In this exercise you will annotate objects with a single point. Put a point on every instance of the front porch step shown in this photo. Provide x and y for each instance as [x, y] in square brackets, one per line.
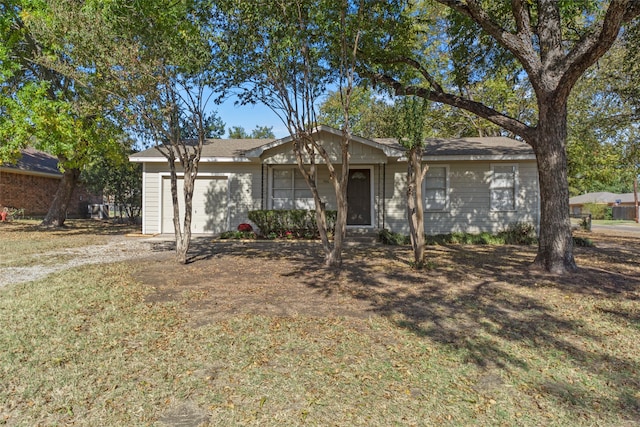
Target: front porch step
[362, 235]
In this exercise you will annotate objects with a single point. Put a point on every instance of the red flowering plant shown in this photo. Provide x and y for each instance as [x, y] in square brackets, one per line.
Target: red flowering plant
[244, 227]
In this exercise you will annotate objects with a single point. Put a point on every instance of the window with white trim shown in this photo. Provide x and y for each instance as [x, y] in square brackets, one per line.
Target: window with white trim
[436, 189]
[289, 190]
[504, 182]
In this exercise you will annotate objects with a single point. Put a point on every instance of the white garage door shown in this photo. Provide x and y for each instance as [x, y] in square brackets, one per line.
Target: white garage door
[210, 200]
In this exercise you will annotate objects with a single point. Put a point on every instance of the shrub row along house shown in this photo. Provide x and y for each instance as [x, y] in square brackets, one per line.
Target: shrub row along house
[473, 184]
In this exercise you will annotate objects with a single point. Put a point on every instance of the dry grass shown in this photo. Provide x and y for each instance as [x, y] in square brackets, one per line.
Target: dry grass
[249, 336]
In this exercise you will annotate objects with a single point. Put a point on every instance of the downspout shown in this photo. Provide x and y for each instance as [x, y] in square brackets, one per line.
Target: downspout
[384, 194]
[262, 190]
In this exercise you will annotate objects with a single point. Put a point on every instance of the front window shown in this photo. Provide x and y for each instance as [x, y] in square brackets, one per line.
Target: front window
[436, 189]
[289, 190]
[503, 187]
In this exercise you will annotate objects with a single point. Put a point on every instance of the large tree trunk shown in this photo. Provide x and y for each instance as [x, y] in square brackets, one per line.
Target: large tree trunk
[555, 247]
[57, 213]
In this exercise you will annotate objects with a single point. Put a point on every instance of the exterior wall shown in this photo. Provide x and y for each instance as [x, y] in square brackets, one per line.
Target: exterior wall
[245, 183]
[469, 199]
[469, 208]
[35, 193]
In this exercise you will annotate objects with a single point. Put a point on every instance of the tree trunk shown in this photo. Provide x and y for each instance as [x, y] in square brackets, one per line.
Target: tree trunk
[335, 256]
[555, 245]
[183, 244]
[415, 209]
[635, 198]
[57, 213]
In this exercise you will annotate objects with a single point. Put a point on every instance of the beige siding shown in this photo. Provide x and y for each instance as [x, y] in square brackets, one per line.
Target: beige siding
[469, 200]
[245, 183]
[360, 153]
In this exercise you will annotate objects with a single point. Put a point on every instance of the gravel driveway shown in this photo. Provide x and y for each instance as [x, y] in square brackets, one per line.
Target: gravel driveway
[119, 248]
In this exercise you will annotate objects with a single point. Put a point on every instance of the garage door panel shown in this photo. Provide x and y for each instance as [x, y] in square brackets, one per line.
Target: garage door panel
[210, 201]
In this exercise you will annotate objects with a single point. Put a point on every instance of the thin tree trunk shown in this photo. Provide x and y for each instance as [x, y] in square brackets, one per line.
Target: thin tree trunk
[635, 197]
[57, 213]
[555, 244]
[415, 209]
[182, 246]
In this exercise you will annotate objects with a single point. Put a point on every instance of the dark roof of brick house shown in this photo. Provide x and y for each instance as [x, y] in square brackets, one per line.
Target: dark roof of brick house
[35, 161]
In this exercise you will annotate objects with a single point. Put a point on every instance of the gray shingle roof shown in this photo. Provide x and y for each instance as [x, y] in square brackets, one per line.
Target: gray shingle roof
[490, 146]
[35, 161]
[601, 197]
[468, 146]
[216, 148]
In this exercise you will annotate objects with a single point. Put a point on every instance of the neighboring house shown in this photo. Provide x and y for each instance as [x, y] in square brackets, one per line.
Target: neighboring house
[473, 184]
[31, 184]
[623, 204]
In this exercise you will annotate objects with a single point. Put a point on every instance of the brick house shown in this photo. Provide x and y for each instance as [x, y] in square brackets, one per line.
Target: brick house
[31, 184]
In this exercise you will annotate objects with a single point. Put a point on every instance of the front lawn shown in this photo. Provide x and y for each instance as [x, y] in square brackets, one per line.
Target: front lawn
[258, 334]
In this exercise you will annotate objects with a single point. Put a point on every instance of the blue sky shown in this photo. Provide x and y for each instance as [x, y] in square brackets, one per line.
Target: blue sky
[249, 116]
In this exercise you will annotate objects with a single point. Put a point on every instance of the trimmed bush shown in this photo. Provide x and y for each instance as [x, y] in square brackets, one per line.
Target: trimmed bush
[238, 235]
[395, 239]
[519, 233]
[515, 234]
[296, 223]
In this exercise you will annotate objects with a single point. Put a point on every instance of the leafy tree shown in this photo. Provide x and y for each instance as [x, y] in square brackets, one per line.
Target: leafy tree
[119, 180]
[151, 62]
[410, 131]
[600, 128]
[546, 45]
[260, 132]
[284, 54]
[371, 116]
[42, 107]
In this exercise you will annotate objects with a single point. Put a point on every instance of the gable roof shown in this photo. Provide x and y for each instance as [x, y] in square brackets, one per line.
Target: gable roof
[34, 162]
[244, 150]
[602, 197]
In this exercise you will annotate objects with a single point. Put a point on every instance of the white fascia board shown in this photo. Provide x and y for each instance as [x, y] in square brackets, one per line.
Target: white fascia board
[476, 158]
[134, 159]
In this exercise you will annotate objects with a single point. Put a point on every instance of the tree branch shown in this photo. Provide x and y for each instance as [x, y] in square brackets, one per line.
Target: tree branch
[519, 44]
[508, 123]
[589, 49]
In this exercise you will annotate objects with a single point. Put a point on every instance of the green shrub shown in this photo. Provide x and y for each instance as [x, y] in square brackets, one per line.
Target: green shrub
[296, 223]
[598, 210]
[516, 234]
[584, 242]
[519, 233]
[238, 235]
[387, 237]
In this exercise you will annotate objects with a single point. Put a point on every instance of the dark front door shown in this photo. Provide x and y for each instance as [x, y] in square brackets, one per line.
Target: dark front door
[359, 197]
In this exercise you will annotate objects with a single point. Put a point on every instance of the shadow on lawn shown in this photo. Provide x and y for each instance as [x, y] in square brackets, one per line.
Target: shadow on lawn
[88, 227]
[484, 302]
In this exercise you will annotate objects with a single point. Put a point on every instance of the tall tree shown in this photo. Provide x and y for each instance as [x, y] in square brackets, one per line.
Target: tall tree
[151, 62]
[601, 127]
[371, 115]
[285, 54]
[552, 44]
[260, 132]
[410, 131]
[44, 108]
